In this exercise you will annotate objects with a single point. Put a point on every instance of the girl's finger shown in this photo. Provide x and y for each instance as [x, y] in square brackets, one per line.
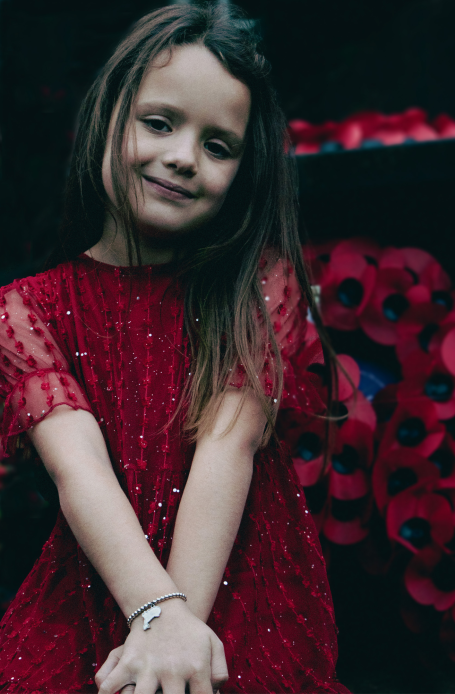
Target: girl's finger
[116, 681]
[200, 684]
[219, 666]
[147, 685]
[109, 664]
[174, 685]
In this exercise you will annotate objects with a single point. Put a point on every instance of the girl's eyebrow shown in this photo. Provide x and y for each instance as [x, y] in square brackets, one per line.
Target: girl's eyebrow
[166, 109]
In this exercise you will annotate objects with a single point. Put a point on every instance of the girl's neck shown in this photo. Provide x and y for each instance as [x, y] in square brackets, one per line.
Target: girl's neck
[112, 249]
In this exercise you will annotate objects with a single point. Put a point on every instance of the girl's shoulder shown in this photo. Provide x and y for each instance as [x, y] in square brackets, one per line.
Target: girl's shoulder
[53, 282]
[39, 284]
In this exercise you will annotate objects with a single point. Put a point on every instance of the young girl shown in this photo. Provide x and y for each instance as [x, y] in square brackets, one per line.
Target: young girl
[146, 370]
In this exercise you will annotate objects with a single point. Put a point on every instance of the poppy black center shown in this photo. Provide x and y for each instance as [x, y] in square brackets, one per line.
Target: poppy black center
[401, 479]
[347, 510]
[394, 306]
[411, 432]
[425, 335]
[417, 531]
[443, 574]
[442, 298]
[444, 460]
[350, 292]
[309, 446]
[347, 461]
[439, 387]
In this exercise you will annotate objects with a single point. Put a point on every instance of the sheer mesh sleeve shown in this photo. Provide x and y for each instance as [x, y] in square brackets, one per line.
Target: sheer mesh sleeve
[297, 339]
[34, 374]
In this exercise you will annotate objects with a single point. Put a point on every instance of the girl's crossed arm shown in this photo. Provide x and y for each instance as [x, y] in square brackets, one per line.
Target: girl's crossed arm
[179, 647]
[213, 501]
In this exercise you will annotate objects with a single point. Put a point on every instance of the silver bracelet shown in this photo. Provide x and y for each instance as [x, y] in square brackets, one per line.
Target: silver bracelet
[149, 611]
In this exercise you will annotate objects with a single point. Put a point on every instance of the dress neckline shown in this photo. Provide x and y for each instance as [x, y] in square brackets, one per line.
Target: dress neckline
[158, 268]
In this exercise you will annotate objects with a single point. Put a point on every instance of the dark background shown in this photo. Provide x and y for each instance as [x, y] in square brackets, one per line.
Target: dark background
[330, 59]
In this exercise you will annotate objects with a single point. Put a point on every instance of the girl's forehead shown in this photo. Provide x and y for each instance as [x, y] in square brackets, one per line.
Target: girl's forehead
[192, 79]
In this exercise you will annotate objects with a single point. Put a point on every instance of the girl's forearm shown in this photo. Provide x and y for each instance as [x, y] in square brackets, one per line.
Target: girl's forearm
[213, 503]
[98, 512]
[207, 523]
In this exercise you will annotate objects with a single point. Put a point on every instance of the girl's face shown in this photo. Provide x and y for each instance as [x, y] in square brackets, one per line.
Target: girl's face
[188, 128]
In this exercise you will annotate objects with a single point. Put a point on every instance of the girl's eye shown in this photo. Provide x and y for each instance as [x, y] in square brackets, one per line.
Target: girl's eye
[157, 124]
[217, 150]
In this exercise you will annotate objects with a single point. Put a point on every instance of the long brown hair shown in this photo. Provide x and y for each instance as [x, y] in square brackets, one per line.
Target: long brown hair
[225, 314]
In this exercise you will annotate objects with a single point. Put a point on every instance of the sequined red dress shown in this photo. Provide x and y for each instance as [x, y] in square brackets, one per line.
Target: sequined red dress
[110, 340]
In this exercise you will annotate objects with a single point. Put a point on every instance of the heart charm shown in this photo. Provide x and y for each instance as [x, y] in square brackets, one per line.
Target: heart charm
[150, 614]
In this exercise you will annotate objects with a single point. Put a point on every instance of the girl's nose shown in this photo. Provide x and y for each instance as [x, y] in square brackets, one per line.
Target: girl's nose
[181, 156]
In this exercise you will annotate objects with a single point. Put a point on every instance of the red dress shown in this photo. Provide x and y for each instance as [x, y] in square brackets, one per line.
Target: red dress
[110, 340]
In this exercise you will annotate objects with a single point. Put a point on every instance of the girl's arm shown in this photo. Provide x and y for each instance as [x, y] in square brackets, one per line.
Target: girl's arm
[179, 647]
[213, 502]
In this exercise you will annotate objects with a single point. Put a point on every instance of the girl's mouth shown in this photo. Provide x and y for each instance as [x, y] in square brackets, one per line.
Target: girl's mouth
[168, 190]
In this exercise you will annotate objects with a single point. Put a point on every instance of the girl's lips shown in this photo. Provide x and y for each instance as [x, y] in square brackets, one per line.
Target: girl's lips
[168, 190]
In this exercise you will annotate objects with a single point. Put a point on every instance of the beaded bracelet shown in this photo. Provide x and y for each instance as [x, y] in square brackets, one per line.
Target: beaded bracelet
[151, 604]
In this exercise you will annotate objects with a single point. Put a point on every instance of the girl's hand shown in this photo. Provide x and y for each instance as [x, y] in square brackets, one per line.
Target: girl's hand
[177, 650]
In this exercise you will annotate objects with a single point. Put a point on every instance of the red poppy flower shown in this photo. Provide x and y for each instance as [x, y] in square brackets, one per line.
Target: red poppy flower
[351, 457]
[306, 439]
[430, 578]
[317, 256]
[417, 327]
[413, 426]
[369, 121]
[393, 294]
[437, 279]
[367, 247]
[349, 134]
[426, 376]
[310, 358]
[346, 288]
[301, 131]
[394, 129]
[417, 517]
[399, 470]
[346, 522]
[422, 267]
[307, 148]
